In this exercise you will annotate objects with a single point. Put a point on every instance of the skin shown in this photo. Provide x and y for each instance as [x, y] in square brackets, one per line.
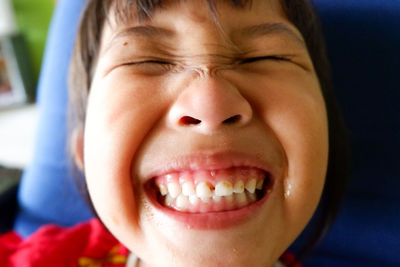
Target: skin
[134, 125]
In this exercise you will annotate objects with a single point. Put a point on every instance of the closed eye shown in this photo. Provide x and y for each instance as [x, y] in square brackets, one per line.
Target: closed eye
[149, 62]
[150, 66]
[256, 59]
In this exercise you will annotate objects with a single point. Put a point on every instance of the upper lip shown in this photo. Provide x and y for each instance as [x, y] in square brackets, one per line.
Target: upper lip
[210, 161]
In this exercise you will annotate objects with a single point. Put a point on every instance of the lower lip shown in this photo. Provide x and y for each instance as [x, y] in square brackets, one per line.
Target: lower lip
[209, 220]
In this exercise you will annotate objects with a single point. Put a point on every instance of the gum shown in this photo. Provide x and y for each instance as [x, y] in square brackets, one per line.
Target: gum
[212, 176]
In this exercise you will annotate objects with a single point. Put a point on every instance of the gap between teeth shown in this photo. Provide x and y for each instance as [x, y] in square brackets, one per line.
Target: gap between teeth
[205, 190]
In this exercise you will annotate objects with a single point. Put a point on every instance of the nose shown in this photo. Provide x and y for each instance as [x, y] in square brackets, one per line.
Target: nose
[208, 104]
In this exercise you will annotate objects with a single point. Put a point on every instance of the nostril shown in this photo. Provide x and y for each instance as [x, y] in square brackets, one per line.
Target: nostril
[187, 120]
[232, 119]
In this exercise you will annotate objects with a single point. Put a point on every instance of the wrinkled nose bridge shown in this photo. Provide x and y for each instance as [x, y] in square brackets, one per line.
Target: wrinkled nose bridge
[208, 102]
[209, 70]
[209, 64]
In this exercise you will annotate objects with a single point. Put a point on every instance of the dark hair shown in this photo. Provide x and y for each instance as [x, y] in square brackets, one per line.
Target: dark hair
[301, 13]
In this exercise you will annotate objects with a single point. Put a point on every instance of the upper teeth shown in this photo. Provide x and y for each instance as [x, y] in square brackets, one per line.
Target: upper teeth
[174, 189]
[251, 185]
[223, 188]
[205, 190]
[239, 187]
[188, 189]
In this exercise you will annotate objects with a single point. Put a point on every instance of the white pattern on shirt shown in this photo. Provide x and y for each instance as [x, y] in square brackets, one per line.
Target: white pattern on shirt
[133, 261]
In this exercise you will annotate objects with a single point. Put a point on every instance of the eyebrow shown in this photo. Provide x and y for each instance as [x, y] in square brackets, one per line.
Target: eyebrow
[254, 31]
[264, 29]
[144, 31]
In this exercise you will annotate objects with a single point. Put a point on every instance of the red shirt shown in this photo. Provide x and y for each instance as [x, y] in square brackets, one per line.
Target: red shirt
[84, 245]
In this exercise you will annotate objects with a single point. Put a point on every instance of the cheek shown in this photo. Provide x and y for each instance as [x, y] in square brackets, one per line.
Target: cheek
[119, 116]
[305, 140]
[301, 127]
[295, 112]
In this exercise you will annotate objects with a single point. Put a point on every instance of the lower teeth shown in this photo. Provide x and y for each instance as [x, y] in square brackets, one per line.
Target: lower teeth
[193, 204]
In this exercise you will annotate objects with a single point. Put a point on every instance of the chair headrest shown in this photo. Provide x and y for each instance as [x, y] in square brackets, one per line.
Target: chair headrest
[47, 192]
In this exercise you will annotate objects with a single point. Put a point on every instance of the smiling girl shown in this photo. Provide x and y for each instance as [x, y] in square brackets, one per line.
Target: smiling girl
[207, 131]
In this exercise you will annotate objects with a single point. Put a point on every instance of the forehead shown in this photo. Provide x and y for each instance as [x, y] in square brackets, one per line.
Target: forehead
[241, 18]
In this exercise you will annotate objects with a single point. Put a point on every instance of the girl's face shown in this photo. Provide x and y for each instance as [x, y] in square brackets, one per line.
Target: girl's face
[205, 144]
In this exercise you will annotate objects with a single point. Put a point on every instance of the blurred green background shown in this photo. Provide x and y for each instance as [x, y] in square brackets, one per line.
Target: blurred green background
[33, 18]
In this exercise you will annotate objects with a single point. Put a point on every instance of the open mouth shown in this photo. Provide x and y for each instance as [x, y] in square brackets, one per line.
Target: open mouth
[210, 191]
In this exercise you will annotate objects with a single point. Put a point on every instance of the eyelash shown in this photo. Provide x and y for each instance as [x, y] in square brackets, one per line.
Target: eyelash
[168, 64]
[152, 61]
[255, 59]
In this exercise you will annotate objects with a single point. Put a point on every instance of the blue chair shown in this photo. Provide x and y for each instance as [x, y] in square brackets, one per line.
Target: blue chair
[47, 192]
[363, 40]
